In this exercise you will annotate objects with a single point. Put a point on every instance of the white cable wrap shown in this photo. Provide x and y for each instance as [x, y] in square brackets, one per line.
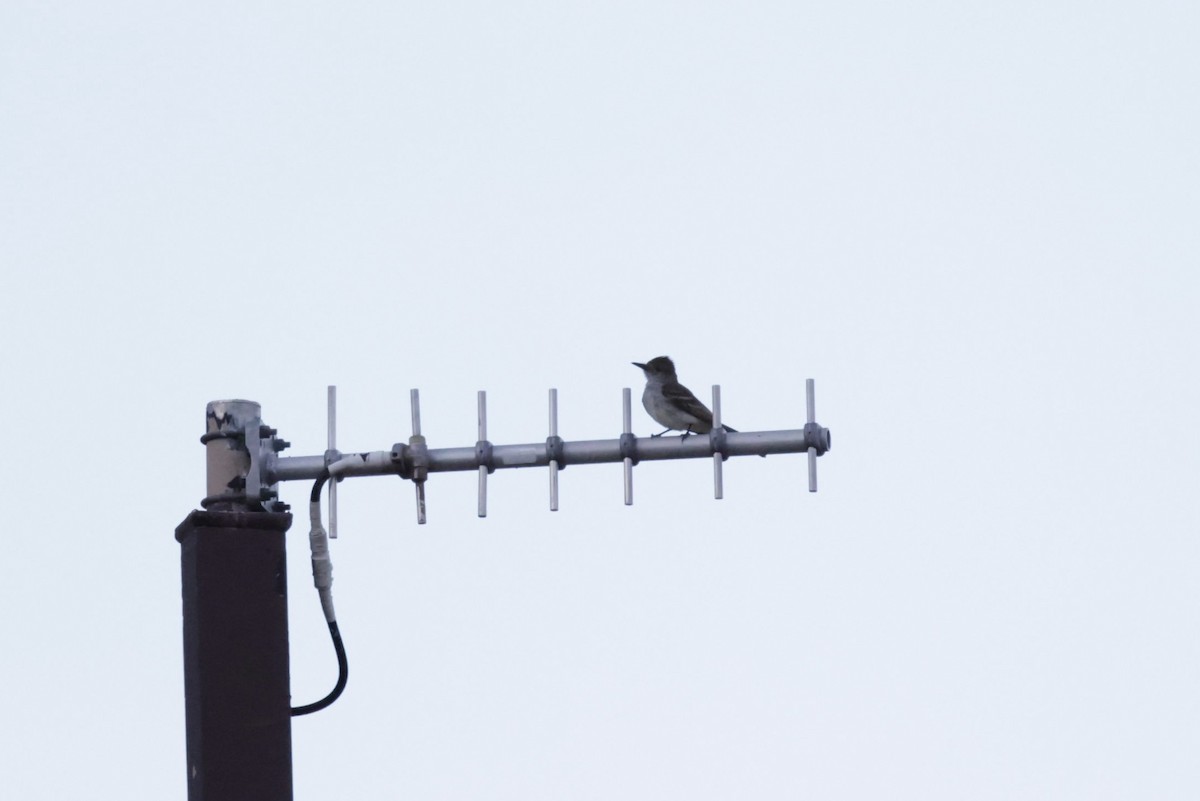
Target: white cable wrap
[345, 463]
[322, 566]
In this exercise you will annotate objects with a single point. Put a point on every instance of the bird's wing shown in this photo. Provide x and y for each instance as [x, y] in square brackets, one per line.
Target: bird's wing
[685, 401]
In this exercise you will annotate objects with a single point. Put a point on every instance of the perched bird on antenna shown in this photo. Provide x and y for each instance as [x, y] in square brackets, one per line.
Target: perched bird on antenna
[670, 403]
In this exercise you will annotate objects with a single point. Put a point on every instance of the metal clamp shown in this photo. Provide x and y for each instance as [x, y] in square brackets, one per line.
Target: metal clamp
[239, 470]
[215, 435]
[817, 438]
[483, 455]
[629, 449]
[417, 454]
[554, 452]
[401, 460]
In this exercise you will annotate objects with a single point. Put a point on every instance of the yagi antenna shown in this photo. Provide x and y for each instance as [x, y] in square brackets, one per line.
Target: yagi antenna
[258, 470]
[244, 468]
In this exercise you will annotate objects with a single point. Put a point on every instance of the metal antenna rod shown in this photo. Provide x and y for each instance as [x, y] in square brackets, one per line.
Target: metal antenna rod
[718, 478]
[414, 398]
[553, 462]
[628, 429]
[483, 473]
[810, 393]
[331, 409]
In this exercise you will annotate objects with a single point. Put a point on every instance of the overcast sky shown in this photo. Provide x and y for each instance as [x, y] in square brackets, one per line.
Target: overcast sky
[975, 225]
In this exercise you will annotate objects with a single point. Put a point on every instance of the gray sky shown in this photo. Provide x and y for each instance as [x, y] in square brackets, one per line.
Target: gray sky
[973, 224]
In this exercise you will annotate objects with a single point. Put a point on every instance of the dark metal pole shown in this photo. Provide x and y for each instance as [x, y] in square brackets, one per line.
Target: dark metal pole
[235, 656]
[235, 627]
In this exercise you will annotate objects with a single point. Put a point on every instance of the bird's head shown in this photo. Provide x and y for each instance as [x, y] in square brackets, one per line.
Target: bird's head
[660, 367]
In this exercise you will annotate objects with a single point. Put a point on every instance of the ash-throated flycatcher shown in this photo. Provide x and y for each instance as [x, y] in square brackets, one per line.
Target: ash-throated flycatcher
[670, 403]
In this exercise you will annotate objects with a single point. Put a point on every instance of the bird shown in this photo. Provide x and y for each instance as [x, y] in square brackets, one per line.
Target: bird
[670, 403]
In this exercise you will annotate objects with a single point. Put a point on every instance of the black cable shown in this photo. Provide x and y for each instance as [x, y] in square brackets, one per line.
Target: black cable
[338, 647]
[343, 673]
[315, 495]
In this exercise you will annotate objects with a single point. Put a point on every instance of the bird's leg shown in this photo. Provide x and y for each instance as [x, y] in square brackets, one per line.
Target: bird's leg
[686, 434]
[660, 433]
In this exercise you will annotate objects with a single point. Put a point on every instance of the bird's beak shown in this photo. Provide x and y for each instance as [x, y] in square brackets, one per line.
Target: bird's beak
[638, 364]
